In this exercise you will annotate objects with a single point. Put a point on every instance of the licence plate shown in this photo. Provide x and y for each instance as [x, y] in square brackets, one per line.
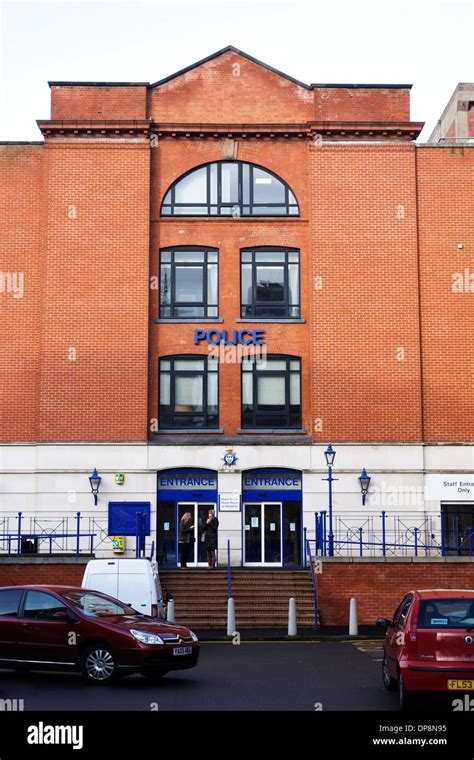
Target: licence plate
[182, 650]
[456, 685]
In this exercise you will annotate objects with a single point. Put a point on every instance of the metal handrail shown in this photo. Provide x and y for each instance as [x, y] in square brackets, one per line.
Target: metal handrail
[229, 586]
[313, 579]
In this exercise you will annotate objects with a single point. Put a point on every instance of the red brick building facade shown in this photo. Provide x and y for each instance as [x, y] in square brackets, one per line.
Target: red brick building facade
[385, 235]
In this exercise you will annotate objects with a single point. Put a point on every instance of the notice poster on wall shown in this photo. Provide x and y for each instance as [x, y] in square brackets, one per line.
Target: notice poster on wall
[272, 526]
[254, 522]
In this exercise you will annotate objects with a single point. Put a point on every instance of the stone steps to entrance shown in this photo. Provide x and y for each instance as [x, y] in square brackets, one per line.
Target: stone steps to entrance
[261, 597]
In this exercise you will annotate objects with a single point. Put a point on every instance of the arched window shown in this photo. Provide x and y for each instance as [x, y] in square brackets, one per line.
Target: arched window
[229, 188]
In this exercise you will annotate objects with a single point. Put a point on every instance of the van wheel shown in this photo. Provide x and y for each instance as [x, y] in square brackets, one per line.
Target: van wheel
[390, 683]
[153, 675]
[406, 697]
[98, 665]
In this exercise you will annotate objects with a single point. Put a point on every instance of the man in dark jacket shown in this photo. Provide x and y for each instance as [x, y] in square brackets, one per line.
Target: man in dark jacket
[210, 537]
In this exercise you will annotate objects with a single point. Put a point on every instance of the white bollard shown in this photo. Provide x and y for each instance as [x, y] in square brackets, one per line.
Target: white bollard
[230, 617]
[353, 626]
[292, 629]
[170, 611]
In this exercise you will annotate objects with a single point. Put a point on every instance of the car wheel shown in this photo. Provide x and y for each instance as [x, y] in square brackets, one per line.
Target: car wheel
[154, 675]
[98, 664]
[406, 697]
[390, 683]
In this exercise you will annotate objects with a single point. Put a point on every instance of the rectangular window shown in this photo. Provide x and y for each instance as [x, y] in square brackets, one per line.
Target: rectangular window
[271, 392]
[189, 393]
[188, 283]
[270, 283]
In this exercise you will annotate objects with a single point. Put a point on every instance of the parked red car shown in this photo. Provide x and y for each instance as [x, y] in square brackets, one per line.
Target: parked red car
[67, 628]
[429, 644]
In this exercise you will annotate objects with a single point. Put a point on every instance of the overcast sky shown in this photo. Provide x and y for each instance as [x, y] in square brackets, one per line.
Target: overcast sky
[429, 44]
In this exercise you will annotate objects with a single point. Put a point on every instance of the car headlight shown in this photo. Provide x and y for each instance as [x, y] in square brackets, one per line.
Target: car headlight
[193, 635]
[146, 638]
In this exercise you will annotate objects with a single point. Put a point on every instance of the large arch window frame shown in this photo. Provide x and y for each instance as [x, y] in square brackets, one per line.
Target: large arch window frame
[229, 188]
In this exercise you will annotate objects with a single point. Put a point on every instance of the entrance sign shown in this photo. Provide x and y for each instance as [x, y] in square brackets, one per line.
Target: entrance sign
[449, 487]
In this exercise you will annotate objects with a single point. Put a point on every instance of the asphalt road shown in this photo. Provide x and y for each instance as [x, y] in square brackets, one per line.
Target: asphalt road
[308, 676]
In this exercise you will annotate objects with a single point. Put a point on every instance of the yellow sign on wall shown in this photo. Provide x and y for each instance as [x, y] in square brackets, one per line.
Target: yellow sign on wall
[119, 478]
[118, 544]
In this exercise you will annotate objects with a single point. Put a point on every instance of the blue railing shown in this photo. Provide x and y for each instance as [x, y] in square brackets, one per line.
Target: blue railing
[379, 534]
[229, 586]
[312, 570]
[34, 535]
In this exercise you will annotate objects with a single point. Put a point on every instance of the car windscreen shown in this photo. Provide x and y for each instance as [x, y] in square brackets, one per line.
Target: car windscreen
[93, 604]
[446, 613]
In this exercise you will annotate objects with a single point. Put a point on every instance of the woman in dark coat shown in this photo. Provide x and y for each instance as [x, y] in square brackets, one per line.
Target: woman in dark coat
[185, 538]
[210, 537]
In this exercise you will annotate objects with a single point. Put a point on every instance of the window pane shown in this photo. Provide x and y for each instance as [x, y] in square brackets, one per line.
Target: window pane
[294, 311]
[189, 311]
[246, 256]
[293, 256]
[188, 393]
[189, 365]
[245, 183]
[212, 311]
[165, 256]
[189, 284]
[9, 602]
[167, 198]
[212, 256]
[165, 284]
[212, 283]
[271, 257]
[295, 397]
[213, 181]
[247, 363]
[270, 310]
[190, 210]
[268, 210]
[246, 283]
[294, 211]
[267, 189]
[192, 188]
[271, 392]
[41, 606]
[247, 390]
[271, 365]
[212, 392]
[295, 364]
[293, 283]
[190, 257]
[164, 388]
[270, 283]
[229, 180]
[212, 364]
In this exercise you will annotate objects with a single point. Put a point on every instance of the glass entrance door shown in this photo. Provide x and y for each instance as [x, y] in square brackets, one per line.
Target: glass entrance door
[199, 512]
[262, 534]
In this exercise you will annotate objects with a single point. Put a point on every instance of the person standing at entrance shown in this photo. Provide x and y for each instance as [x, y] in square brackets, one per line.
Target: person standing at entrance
[185, 538]
[210, 531]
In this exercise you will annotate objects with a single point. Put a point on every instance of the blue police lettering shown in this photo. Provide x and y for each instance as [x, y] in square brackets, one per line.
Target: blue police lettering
[230, 338]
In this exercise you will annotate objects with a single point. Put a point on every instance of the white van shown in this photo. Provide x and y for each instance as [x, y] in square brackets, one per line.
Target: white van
[132, 581]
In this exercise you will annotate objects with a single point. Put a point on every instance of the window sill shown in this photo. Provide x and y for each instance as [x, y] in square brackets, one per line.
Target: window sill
[188, 320]
[275, 320]
[191, 431]
[279, 431]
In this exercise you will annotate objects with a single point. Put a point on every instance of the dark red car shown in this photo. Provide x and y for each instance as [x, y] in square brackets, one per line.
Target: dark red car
[429, 644]
[67, 628]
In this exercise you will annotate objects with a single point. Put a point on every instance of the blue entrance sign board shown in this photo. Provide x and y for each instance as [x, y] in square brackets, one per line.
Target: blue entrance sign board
[230, 337]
